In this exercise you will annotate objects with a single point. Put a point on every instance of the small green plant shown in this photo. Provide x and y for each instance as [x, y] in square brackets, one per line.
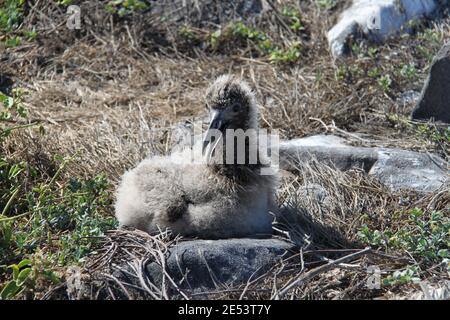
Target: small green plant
[260, 38]
[425, 52]
[294, 18]
[65, 2]
[25, 275]
[186, 32]
[11, 14]
[326, 4]
[30, 34]
[400, 277]
[357, 49]
[240, 31]
[438, 136]
[435, 134]
[65, 222]
[215, 38]
[408, 71]
[288, 55]
[341, 72]
[385, 82]
[374, 72]
[124, 7]
[12, 109]
[20, 274]
[431, 36]
[372, 52]
[12, 42]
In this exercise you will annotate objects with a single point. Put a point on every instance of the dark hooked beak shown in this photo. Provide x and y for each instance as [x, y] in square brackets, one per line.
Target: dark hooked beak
[214, 132]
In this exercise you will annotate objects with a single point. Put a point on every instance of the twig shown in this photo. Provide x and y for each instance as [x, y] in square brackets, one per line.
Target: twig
[311, 274]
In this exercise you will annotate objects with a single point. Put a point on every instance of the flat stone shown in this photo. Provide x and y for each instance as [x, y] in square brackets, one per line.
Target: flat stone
[377, 20]
[207, 264]
[434, 101]
[327, 149]
[396, 168]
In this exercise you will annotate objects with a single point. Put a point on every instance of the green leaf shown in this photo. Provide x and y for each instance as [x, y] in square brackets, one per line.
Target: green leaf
[10, 290]
[24, 263]
[15, 270]
[23, 276]
[443, 253]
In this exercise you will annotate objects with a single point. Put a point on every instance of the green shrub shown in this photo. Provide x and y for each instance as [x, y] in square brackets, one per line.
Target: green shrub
[45, 223]
[11, 14]
[424, 236]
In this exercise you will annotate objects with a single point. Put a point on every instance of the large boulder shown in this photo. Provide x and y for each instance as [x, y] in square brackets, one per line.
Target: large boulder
[208, 264]
[377, 20]
[434, 101]
[396, 168]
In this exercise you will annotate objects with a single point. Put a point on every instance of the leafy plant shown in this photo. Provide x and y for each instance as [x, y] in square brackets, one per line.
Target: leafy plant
[435, 134]
[12, 42]
[260, 38]
[399, 277]
[290, 54]
[425, 236]
[385, 82]
[374, 72]
[124, 7]
[20, 273]
[12, 109]
[11, 14]
[326, 4]
[408, 71]
[63, 220]
[25, 275]
[262, 41]
[294, 17]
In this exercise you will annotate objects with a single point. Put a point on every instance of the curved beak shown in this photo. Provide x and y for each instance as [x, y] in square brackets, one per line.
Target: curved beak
[214, 133]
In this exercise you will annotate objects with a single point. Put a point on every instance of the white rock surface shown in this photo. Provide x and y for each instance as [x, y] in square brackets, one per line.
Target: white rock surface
[377, 19]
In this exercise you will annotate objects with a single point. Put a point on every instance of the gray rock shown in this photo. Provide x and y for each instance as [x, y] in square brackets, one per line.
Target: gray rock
[396, 168]
[377, 20]
[409, 97]
[401, 169]
[434, 101]
[327, 149]
[207, 264]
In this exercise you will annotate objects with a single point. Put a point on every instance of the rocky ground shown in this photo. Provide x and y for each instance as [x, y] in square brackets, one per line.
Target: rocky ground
[364, 193]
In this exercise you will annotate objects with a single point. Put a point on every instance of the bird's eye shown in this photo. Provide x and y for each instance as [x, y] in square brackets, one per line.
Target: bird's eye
[236, 107]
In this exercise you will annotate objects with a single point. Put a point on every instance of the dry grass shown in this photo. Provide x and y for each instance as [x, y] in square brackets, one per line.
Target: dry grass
[111, 94]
